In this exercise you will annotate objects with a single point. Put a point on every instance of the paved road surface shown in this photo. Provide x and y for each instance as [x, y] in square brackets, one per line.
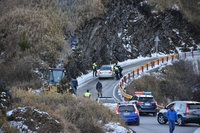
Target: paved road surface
[108, 84]
[148, 124]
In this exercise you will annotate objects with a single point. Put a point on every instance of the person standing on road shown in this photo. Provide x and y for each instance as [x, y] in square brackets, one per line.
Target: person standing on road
[99, 88]
[74, 85]
[87, 94]
[120, 70]
[172, 117]
[116, 69]
[94, 68]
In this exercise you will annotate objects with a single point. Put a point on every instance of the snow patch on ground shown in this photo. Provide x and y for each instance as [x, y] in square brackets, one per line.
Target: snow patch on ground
[175, 7]
[20, 120]
[176, 31]
[112, 127]
[21, 126]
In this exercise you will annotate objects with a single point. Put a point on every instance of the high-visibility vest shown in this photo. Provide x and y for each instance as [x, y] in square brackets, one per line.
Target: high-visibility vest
[115, 68]
[87, 94]
[94, 65]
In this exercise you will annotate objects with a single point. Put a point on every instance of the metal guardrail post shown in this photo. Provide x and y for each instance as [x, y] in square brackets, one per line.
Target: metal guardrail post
[192, 54]
[147, 66]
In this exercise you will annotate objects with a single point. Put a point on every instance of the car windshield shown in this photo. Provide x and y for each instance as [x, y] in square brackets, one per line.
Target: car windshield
[194, 106]
[144, 99]
[128, 108]
[105, 68]
[107, 101]
[55, 75]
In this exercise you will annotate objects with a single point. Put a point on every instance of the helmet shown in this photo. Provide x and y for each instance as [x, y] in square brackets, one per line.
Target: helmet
[87, 90]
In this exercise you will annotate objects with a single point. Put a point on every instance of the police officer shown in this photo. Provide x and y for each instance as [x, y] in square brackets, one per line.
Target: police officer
[87, 94]
[94, 68]
[116, 69]
[120, 70]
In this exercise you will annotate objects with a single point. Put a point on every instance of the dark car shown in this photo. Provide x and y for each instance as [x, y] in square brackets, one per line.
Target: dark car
[129, 113]
[187, 111]
[145, 102]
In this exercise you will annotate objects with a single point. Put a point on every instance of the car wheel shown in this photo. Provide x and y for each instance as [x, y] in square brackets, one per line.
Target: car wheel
[161, 119]
[180, 121]
[138, 123]
[154, 114]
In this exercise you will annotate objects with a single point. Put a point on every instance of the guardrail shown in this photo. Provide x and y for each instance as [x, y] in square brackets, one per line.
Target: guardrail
[135, 73]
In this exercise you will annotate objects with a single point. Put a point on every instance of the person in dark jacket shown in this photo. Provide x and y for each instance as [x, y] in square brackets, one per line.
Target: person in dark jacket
[99, 88]
[172, 117]
[74, 85]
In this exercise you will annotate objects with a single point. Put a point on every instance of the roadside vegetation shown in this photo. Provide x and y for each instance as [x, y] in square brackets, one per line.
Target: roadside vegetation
[33, 33]
[179, 81]
[191, 9]
[75, 114]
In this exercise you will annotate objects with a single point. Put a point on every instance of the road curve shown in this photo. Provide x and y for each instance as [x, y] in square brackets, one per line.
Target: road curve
[148, 124]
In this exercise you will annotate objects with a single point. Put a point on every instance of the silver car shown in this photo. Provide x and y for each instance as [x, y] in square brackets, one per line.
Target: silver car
[106, 72]
[187, 111]
[108, 102]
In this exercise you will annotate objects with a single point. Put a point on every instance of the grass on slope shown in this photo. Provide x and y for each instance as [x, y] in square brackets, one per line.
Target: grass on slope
[190, 8]
[75, 114]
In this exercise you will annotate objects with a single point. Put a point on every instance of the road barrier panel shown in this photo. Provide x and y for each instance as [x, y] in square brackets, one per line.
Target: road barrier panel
[124, 81]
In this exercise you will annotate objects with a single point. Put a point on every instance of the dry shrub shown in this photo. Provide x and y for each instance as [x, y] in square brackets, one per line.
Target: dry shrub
[19, 73]
[190, 9]
[4, 125]
[77, 114]
[177, 82]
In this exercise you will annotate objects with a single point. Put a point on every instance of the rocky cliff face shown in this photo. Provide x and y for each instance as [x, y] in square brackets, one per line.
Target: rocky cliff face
[128, 29]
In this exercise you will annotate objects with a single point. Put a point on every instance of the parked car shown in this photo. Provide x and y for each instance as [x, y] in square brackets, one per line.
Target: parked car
[145, 102]
[106, 72]
[187, 111]
[108, 102]
[129, 113]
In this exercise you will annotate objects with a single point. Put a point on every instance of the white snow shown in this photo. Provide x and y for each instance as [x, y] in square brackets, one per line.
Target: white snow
[3, 100]
[119, 34]
[112, 127]
[178, 49]
[175, 7]
[133, 21]
[183, 43]
[176, 31]
[9, 113]
[21, 126]
[197, 130]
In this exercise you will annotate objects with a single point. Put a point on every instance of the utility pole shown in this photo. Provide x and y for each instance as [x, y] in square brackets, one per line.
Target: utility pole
[156, 45]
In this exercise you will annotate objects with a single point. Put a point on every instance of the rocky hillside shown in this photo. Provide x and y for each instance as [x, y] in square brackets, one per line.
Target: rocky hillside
[41, 34]
[128, 28]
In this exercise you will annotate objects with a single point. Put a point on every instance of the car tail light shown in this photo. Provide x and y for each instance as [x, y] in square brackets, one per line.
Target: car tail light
[110, 72]
[186, 111]
[136, 111]
[115, 106]
[117, 111]
[154, 102]
[99, 72]
[138, 102]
